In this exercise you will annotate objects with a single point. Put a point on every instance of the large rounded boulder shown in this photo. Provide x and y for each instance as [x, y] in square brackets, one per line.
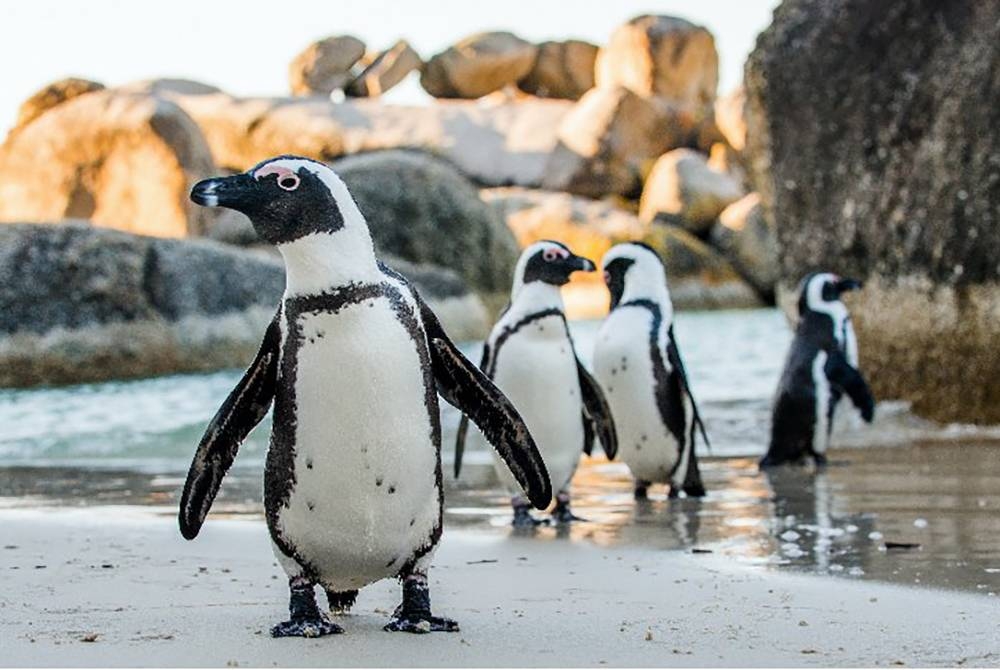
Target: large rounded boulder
[607, 139]
[662, 56]
[325, 65]
[561, 70]
[52, 95]
[745, 237]
[478, 65]
[386, 69]
[876, 151]
[121, 160]
[682, 189]
[423, 210]
[81, 303]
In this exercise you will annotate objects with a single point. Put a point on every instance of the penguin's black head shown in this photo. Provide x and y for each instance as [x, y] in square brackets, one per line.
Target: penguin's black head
[550, 262]
[285, 198]
[821, 288]
[645, 266]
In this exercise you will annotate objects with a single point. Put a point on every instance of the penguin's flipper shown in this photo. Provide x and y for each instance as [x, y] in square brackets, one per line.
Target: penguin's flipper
[588, 433]
[840, 373]
[674, 356]
[597, 414]
[468, 388]
[463, 424]
[246, 405]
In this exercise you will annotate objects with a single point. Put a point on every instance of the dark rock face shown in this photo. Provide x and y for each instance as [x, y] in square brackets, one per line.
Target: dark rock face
[874, 141]
[423, 210]
[74, 275]
[82, 304]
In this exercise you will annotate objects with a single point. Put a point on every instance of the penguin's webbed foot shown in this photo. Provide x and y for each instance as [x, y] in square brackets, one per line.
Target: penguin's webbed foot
[641, 490]
[306, 619]
[523, 517]
[820, 460]
[421, 624]
[312, 627]
[414, 614]
[562, 513]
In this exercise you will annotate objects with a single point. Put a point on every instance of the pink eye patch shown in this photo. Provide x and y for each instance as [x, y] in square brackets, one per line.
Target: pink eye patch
[287, 179]
[553, 253]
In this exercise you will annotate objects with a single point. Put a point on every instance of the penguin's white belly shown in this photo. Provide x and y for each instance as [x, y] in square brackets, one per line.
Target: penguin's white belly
[536, 369]
[821, 431]
[365, 495]
[624, 369]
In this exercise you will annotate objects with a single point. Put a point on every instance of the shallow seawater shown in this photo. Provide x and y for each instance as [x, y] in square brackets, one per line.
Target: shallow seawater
[904, 481]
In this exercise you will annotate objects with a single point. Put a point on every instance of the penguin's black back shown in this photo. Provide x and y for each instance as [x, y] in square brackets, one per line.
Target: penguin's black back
[793, 419]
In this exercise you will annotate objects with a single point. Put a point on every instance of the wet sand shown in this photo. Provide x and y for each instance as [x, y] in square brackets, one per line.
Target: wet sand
[944, 497]
[117, 586]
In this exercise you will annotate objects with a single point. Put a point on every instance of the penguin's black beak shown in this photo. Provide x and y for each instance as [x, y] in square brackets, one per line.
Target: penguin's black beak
[847, 284]
[235, 192]
[579, 263]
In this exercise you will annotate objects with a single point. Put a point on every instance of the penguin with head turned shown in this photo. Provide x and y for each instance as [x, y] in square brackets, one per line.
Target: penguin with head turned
[638, 363]
[529, 355]
[822, 365]
[353, 363]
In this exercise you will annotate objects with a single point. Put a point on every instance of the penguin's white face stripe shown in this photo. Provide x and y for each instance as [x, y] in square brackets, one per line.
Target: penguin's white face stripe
[835, 309]
[645, 278]
[551, 251]
[814, 291]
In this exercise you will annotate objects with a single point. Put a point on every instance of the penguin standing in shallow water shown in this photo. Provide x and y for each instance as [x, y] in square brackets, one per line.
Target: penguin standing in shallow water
[529, 355]
[822, 365]
[353, 361]
[638, 364]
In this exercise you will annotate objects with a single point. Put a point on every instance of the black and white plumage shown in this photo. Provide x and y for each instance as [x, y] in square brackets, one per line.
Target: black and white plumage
[638, 364]
[353, 361]
[822, 365]
[529, 354]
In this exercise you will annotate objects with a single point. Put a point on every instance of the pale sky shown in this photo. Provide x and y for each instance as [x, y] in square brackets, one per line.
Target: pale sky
[244, 46]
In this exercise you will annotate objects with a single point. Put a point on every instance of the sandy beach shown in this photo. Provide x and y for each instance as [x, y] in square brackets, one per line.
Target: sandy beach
[123, 578]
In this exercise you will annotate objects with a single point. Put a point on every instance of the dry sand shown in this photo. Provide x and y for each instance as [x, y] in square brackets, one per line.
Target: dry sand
[125, 578]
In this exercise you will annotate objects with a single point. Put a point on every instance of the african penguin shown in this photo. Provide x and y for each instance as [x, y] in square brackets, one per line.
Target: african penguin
[638, 364]
[822, 365]
[529, 355]
[353, 361]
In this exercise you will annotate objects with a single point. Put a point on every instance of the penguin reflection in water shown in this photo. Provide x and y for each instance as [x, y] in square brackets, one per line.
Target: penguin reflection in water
[638, 364]
[822, 365]
[354, 361]
[529, 355]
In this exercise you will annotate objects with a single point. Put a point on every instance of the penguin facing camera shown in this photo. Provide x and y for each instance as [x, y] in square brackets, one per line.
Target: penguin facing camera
[353, 362]
[529, 355]
[638, 364]
[822, 366]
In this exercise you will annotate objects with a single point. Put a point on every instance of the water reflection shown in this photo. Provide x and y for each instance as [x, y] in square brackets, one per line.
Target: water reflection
[943, 499]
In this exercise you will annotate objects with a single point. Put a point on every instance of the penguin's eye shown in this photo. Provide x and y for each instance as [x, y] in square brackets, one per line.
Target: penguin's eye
[289, 182]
